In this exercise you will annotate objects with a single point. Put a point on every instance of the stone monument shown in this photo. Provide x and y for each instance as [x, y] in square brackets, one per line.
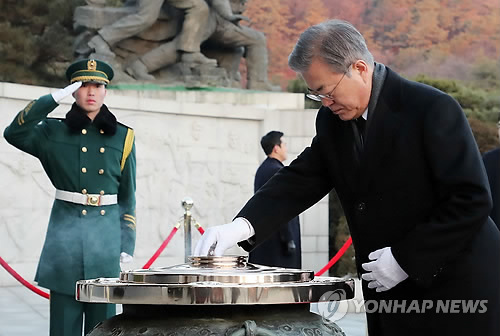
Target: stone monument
[151, 38]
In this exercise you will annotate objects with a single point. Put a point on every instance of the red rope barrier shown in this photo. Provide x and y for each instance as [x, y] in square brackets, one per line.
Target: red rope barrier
[200, 229]
[161, 248]
[336, 257]
[21, 280]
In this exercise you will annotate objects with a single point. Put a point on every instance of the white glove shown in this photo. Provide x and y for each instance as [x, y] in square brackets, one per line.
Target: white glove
[384, 270]
[216, 240]
[125, 258]
[63, 93]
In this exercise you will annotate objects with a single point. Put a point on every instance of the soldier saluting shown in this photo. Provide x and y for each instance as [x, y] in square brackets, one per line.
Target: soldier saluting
[90, 159]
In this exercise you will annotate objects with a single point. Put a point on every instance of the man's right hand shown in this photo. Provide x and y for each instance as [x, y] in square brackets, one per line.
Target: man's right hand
[63, 93]
[216, 240]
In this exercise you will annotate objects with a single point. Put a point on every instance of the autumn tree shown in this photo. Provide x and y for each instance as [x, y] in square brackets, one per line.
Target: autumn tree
[36, 40]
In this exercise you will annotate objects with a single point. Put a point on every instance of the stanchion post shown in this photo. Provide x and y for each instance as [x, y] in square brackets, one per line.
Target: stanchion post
[187, 204]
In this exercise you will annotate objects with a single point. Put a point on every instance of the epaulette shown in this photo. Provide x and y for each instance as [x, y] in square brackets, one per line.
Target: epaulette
[121, 124]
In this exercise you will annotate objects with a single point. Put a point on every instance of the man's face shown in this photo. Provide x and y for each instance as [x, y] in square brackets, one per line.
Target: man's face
[282, 150]
[90, 97]
[351, 92]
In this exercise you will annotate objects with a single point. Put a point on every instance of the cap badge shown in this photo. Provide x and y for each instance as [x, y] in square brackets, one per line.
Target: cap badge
[91, 65]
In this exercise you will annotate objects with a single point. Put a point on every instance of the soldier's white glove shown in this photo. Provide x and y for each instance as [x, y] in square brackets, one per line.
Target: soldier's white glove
[216, 240]
[384, 270]
[63, 93]
[125, 258]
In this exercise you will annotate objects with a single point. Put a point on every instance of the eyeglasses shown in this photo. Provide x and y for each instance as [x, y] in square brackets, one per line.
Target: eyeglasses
[318, 97]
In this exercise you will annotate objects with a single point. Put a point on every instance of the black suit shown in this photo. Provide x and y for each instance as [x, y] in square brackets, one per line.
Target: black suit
[274, 251]
[491, 161]
[420, 188]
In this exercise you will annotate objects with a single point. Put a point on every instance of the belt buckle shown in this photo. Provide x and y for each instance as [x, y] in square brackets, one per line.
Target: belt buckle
[93, 200]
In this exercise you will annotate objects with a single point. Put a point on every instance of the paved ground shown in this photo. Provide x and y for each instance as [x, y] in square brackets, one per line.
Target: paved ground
[24, 313]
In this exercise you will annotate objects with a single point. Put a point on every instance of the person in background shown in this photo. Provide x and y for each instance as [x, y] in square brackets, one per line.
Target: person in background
[491, 161]
[404, 163]
[283, 248]
[90, 159]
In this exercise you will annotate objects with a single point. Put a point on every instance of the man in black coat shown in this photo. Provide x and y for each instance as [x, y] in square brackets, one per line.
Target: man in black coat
[491, 161]
[283, 248]
[412, 185]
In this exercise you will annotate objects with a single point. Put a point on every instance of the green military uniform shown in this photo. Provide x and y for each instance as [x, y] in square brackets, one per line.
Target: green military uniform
[83, 157]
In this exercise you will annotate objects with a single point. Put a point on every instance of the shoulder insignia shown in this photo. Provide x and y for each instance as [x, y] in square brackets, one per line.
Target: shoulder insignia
[127, 147]
[24, 112]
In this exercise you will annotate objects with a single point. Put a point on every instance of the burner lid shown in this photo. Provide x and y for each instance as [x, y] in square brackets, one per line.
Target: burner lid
[225, 269]
[215, 281]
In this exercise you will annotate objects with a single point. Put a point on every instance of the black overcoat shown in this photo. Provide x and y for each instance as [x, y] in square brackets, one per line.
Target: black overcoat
[420, 188]
[274, 251]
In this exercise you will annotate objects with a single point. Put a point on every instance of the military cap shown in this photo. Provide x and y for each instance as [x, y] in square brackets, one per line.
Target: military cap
[90, 70]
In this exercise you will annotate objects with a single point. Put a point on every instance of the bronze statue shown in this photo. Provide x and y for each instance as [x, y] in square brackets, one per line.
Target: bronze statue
[158, 41]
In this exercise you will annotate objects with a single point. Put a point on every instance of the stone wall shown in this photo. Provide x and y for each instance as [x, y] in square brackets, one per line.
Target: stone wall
[189, 143]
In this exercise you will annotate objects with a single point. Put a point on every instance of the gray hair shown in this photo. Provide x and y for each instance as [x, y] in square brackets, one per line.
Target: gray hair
[336, 42]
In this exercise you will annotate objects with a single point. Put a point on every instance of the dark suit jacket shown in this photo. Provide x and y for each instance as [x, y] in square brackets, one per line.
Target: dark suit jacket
[491, 161]
[274, 252]
[420, 188]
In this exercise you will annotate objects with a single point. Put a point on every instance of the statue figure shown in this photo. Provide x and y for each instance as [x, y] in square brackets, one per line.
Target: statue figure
[146, 13]
[156, 40]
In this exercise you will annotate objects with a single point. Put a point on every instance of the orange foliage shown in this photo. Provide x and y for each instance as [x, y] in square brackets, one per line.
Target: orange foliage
[426, 36]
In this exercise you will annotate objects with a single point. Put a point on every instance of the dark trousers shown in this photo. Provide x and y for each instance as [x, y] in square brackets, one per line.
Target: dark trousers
[66, 315]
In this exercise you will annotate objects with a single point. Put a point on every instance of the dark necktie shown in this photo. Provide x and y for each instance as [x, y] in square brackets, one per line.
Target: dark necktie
[360, 124]
[357, 131]
[358, 128]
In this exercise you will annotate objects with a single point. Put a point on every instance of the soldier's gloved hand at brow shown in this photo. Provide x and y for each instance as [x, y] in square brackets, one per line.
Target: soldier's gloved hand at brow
[216, 240]
[384, 270]
[63, 93]
[125, 258]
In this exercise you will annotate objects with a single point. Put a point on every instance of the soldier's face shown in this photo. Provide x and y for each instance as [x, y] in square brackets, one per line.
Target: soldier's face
[90, 97]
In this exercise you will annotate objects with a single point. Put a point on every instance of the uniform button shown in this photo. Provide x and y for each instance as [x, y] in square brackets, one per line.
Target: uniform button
[84, 170]
[101, 171]
[84, 149]
[84, 191]
[361, 206]
[84, 212]
[101, 192]
[84, 131]
[101, 131]
[102, 149]
[103, 212]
